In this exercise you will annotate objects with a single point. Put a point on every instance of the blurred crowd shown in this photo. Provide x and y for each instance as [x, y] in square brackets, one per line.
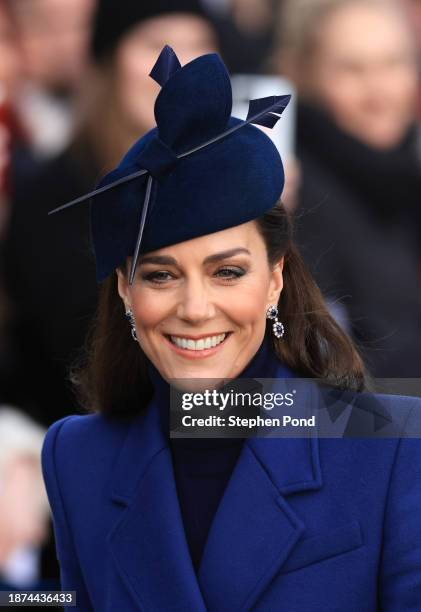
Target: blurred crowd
[75, 94]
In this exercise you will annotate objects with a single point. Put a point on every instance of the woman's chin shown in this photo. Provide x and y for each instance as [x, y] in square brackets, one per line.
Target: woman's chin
[198, 384]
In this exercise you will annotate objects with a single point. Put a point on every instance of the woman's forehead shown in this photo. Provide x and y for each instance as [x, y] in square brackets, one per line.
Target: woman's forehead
[244, 239]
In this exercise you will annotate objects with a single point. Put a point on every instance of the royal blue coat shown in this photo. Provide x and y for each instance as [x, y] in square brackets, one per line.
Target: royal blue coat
[329, 525]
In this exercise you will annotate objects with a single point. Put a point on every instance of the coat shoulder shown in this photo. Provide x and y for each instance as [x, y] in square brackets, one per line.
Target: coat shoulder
[76, 428]
[403, 410]
[406, 401]
[78, 446]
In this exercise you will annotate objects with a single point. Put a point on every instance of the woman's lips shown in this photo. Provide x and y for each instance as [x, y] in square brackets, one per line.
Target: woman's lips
[191, 354]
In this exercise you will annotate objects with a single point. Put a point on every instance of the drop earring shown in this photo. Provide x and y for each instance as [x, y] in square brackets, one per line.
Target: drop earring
[277, 327]
[130, 318]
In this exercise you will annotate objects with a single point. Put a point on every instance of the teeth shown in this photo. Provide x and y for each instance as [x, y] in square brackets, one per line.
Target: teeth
[197, 345]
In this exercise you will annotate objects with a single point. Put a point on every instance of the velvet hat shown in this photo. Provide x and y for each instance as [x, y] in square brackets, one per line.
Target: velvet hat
[198, 172]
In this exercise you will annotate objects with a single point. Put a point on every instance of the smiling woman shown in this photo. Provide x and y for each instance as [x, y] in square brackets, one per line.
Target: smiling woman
[200, 289]
[194, 246]
[206, 292]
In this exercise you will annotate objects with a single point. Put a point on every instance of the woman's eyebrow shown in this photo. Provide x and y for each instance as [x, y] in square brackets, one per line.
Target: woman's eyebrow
[225, 254]
[170, 261]
[158, 259]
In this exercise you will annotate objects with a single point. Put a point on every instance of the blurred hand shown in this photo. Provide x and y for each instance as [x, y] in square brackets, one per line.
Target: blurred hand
[292, 183]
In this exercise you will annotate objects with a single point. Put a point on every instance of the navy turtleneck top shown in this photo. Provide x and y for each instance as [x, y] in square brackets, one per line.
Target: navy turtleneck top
[203, 466]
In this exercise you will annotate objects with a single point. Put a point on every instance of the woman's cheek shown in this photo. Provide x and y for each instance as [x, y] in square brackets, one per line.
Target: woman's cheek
[247, 305]
[149, 310]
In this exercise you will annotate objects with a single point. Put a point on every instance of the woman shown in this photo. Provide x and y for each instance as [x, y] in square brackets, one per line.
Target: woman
[358, 221]
[145, 522]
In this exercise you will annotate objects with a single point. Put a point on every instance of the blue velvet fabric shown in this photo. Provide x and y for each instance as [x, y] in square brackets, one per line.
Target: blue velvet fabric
[223, 185]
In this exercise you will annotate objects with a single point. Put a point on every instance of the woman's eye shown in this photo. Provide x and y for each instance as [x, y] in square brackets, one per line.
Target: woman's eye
[157, 277]
[230, 273]
[162, 276]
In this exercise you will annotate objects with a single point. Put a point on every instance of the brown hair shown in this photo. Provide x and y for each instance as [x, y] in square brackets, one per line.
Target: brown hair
[112, 378]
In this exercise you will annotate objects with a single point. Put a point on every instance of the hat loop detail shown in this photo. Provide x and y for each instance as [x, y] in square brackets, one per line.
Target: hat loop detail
[157, 158]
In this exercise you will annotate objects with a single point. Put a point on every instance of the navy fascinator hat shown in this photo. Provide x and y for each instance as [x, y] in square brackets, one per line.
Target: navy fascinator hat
[198, 172]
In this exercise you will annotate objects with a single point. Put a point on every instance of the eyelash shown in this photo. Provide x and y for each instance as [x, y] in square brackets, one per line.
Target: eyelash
[152, 276]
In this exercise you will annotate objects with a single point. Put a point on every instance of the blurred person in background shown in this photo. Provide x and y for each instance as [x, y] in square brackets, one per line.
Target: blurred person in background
[53, 37]
[24, 509]
[49, 276]
[11, 132]
[354, 64]
[126, 39]
[413, 10]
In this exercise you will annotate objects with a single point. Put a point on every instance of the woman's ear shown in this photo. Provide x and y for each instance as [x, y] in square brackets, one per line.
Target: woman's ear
[123, 288]
[276, 282]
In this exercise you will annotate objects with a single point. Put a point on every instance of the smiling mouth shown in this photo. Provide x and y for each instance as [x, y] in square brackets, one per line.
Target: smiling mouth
[206, 342]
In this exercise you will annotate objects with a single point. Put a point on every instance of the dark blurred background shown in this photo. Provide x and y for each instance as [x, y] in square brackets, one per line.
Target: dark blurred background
[75, 94]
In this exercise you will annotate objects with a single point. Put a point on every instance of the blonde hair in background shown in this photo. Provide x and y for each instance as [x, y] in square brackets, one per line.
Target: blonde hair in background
[21, 436]
[299, 25]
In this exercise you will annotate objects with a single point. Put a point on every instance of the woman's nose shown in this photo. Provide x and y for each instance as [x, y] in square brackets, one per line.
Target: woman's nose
[195, 304]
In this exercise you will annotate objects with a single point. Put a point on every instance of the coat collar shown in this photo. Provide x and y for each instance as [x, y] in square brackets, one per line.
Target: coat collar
[254, 520]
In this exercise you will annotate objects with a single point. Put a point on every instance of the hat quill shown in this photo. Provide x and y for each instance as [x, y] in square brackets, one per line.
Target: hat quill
[262, 111]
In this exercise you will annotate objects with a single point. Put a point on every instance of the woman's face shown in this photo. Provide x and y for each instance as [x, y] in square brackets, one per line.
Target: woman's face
[54, 37]
[215, 288]
[363, 71]
[189, 35]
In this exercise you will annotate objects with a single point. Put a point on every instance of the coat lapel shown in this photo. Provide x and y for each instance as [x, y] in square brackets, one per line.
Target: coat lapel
[255, 529]
[148, 542]
[252, 534]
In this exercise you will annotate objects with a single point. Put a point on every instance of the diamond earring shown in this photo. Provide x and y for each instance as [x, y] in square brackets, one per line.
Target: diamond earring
[130, 318]
[277, 327]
